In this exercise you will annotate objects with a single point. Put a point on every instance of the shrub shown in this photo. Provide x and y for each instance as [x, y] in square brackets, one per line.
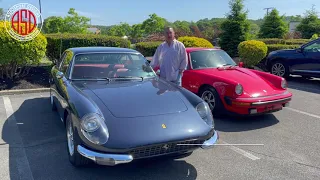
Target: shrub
[16, 56]
[57, 43]
[147, 48]
[275, 47]
[252, 52]
[195, 42]
[314, 37]
[284, 41]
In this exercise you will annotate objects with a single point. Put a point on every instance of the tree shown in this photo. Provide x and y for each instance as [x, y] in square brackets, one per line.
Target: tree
[310, 24]
[273, 26]
[254, 30]
[1, 14]
[136, 32]
[182, 27]
[154, 24]
[123, 29]
[73, 23]
[235, 28]
[53, 24]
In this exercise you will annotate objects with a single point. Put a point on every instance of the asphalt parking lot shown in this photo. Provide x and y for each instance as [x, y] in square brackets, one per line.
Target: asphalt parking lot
[33, 145]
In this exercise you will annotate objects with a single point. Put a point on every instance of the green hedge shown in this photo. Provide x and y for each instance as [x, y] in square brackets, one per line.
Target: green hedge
[195, 42]
[252, 52]
[61, 42]
[147, 48]
[284, 41]
[274, 47]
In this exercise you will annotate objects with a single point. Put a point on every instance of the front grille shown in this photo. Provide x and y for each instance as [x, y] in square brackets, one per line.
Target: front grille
[165, 148]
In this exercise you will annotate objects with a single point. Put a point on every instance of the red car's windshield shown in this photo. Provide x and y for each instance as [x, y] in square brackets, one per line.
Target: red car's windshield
[210, 59]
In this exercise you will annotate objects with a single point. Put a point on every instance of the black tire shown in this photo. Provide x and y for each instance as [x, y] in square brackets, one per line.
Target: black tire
[53, 105]
[279, 65]
[218, 108]
[76, 159]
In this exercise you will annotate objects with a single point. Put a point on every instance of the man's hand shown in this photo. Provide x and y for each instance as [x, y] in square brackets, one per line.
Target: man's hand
[180, 71]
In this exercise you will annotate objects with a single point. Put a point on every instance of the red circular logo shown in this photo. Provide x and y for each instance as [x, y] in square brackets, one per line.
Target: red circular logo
[25, 21]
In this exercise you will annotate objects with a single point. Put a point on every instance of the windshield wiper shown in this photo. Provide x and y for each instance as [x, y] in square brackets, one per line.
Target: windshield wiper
[89, 78]
[128, 77]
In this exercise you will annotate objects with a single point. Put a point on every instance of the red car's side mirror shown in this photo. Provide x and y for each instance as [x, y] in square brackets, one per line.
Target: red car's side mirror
[240, 64]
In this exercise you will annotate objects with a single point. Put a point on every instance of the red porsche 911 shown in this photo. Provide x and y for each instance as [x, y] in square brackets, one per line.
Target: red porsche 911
[226, 87]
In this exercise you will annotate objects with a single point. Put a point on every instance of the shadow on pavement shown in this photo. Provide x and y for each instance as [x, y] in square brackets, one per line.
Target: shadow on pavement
[238, 124]
[36, 139]
[303, 84]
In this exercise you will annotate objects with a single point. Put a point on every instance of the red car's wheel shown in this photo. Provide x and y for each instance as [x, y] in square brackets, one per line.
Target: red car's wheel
[210, 95]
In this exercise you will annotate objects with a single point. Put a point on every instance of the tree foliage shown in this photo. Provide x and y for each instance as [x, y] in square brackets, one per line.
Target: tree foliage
[310, 24]
[72, 23]
[235, 28]
[153, 24]
[1, 14]
[273, 26]
[16, 56]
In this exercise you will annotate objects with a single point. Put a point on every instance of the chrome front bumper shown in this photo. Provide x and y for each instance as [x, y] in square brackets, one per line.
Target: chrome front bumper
[115, 159]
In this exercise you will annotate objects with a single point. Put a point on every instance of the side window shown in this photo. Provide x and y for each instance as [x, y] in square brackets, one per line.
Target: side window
[315, 47]
[66, 62]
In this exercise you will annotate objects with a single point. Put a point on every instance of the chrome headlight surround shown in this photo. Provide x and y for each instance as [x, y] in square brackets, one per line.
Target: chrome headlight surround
[284, 84]
[205, 113]
[238, 89]
[93, 127]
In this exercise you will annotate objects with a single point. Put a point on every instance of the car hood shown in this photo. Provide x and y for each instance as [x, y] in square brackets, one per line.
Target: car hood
[127, 99]
[252, 83]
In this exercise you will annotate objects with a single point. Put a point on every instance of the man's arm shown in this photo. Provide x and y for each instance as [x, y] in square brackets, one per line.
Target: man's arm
[183, 58]
[155, 60]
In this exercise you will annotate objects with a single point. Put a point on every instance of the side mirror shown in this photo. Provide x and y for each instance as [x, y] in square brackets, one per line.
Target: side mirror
[59, 75]
[240, 64]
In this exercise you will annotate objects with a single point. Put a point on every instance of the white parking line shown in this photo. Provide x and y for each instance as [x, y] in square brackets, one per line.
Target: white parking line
[21, 159]
[240, 151]
[302, 112]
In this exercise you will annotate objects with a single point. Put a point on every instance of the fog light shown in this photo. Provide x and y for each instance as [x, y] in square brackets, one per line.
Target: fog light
[253, 111]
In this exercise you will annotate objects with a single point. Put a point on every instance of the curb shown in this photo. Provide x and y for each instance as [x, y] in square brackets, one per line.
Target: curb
[23, 91]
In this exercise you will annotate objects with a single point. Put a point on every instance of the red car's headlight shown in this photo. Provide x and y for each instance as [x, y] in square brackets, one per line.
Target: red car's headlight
[239, 89]
[284, 84]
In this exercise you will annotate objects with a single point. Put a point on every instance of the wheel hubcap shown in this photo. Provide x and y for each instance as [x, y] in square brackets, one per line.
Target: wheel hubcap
[208, 97]
[278, 69]
[70, 139]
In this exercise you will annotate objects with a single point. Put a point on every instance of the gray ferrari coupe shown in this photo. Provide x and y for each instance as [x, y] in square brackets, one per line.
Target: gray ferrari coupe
[116, 109]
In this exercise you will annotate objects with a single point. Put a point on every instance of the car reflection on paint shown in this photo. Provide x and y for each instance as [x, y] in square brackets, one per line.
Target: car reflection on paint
[116, 110]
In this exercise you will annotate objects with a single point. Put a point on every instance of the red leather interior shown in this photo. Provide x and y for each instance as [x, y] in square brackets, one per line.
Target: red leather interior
[98, 70]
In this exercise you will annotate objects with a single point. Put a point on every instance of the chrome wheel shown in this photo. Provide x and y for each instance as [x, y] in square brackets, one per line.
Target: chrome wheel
[278, 69]
[70, 138]
[208, 97]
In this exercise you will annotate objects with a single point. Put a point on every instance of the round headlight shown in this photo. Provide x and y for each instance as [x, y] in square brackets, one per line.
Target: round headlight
[90, 122]
[239, 89]
[284, 83]
[205, 113]
[94, 128]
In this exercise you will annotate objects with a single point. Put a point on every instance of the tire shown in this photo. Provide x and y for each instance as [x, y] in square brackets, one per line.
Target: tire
[279, 69]
[75, 158]
[53, 105]
[216, 108]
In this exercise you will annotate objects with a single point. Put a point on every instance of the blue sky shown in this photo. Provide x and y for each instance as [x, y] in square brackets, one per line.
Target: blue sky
[109, 12]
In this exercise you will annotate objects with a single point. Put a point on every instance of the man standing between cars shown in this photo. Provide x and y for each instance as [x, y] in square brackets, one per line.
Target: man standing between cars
[171, 58]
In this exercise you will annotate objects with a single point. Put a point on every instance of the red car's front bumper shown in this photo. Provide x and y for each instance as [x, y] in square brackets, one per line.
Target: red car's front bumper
[258, 105]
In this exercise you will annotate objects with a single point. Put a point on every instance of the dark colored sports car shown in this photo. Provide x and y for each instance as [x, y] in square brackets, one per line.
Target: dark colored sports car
[303, 61]
[116, 109]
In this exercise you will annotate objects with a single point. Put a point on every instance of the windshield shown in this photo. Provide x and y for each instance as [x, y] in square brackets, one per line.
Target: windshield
[111, 65]
[210, 59]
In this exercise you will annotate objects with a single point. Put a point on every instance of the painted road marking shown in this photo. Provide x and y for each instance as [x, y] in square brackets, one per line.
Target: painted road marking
[240, 151]
[302, 112]
[21, 160]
